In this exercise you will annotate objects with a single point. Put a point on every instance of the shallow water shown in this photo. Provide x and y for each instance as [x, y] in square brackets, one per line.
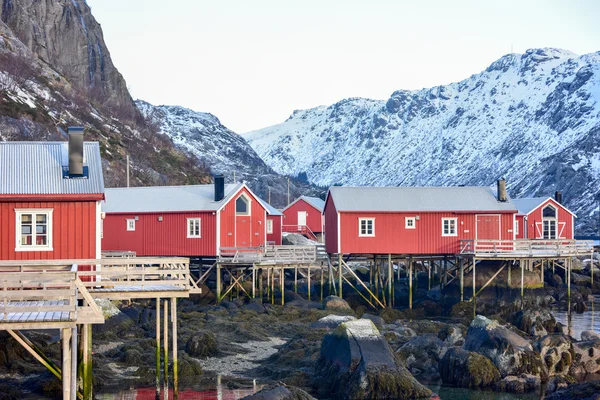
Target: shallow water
[448, 393]
[577, 323]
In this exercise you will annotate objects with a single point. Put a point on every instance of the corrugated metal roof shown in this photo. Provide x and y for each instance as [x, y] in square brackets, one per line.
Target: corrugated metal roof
[525, 206]
[315, 202]
[37, 168]
[166, 198]
[417, 199]
[270, 209]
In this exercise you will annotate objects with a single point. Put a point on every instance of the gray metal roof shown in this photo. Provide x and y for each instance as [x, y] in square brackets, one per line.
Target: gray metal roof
[166, 198]
[315, 202]
[270, 209]
[417, 199]
[527, 205]
[37, 168]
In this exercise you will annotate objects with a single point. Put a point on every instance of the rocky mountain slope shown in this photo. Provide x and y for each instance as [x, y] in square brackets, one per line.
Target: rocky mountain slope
[56, 71]
[223, 151]
[533, 118]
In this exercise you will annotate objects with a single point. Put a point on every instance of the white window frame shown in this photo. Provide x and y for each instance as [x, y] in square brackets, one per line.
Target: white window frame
[190, 232]
[269, 227]
[410, 226]
[34, 212]
[248, 205]
[360, 221]
[130, 224]
[516, 226]
[455, 226]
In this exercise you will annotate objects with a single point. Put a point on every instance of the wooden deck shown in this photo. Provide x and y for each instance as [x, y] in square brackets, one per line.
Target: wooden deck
[515, 249]
[268, 255]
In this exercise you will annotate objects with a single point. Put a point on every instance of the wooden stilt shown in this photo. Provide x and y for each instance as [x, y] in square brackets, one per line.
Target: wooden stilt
[429, 276]
[166, 340]
[410, 283]
[542, 273]
[74, 363]
[86, 338]
[568, 263]
[218, 283]
[282, 285]
[592, 270]
[66, 363]
[474, 289]
[340, 273]
[322, 280]
[253, 281]
[174, 334]
[30, 347]
[523, 263]
[461, 265]
[158, 345]
[390, 279]
[508, 272]
[308, 281]
[445, 273]
[273, 286]
[260, 284]
[296, 279]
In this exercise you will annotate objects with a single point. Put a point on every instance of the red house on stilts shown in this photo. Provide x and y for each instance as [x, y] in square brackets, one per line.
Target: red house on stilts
[305, 215]
[50, 194]
[544, 218]
[415, 220]
[274, 224]
[190, 221]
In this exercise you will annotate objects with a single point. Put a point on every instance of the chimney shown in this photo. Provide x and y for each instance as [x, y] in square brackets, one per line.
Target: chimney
[219, 187]
[558, 197]
[75, 150]
[502, 190]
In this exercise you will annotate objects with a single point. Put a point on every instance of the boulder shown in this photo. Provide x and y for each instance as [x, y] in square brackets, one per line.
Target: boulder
[376, 319]
[519, 384]
[116, 323]
[422, 354]
[535, 321]
[586, 390]
[556, 352]
[510, 353]
[335, 303]
[453, 335]
[467, 369]
[256, 307]
[587, 357]
[356, 362]
[280, 392]
[580, 280]
[331, 322]
[589, 335]
[202, 345]
[556, 383]
[188, 366]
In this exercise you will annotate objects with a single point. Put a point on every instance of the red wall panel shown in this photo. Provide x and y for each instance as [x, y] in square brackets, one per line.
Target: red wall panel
[275, 237]
[243, 231]
[73, 230]
[331, 223]
[314, 219]
[564, 225]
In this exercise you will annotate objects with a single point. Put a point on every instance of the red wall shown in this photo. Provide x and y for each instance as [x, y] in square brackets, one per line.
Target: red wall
[275, 237]
[534, 222]
[391, 236]
[73, 230]
[160, 238]
[331, 222]
[314, 218]
[243, 231]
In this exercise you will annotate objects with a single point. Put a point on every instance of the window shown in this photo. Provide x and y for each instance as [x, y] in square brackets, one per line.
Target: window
[409, 223]
[516, 227]
[549, 229]
[449, 227]
[366, 227]
[193, 227]
[269, 226]
[34, 230]
[131, 224]
[242, 206]
[549, 212]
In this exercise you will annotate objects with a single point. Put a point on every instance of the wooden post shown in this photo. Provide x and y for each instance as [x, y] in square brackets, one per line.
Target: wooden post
[308, 280]
[542, 273]
[410, 282]
[592, 271]
[445, 278]
[429, 276]
[86, 338]
[390, 279]
[281, 283]
[376, 278]
[322, 280]
[340, 273]
[474, 289]
[253, 281]
[166, 340]
[74, 363]
[218, 283]
[522, 262]
[296, 279]
[273, 286]
[174, 334]
[461, 265]
[66, 363]
[568, 269]
[509, 269]
[158, 345]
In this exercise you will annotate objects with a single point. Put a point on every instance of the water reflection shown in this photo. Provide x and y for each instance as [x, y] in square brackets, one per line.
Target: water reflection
[577, 323]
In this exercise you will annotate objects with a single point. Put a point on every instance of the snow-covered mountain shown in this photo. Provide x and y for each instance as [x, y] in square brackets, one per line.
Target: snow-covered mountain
[533, 118]
[223, 151]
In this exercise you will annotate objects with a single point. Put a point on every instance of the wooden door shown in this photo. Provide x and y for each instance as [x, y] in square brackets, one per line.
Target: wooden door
[243, 231]
[488, 227]
[302, 218]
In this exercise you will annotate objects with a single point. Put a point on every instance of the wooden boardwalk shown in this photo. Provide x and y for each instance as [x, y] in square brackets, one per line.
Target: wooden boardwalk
[524, 248]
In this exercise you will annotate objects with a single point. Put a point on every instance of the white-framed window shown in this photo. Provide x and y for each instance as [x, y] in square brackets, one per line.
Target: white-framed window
[516, 227]
[193, 228]
[242, 205]
[410, 223]
[131, 224]
[366, 227]
[449, 227]
[34, 229]
[269, 226]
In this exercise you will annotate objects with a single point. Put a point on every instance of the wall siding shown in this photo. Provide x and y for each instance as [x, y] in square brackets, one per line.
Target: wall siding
[230, 223]
[275, 237]
[331, 222]
[314, 219]
[73, 230]
[565, 218]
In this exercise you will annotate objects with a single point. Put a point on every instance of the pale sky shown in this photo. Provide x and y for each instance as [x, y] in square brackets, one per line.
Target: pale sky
[253, 62]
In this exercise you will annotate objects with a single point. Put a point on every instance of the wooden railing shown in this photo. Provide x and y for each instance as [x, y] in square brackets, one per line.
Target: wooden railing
[268, 254]
[526, 247]
[118, 254]
[301, 229]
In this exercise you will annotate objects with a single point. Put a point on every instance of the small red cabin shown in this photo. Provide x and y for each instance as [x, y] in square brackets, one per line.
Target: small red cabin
[274, 223]
[305, 215]
[414, 220]
[543, 218]
[50, 194]
[190, 221]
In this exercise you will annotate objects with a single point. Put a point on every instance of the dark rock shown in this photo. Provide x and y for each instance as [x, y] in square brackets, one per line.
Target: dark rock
[453, 335]
[331, 322]
[519, 384]
[280, 392]
[114, 326]
[131, 357]
[431, 308]
[206, 297]
[589, 335]
[510, 353]
[256, 307]
[202, 345]
[586, 357]
[376, 319]
[556, 352]
[422, 354]
[357, 363]
[290, 295]
[556, 383]
[335, 303]
[467, 369]
[188, 366]
[581, 391]
[535, 321]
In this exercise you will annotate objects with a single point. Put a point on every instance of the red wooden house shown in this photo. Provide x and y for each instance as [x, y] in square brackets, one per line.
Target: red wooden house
[414, 220]
[544, 218]
[191, 221]
[274, 223]
[305, 215]
[50, 194]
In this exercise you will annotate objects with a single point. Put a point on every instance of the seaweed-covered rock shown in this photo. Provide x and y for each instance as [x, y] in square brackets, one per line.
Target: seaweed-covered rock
[331, 321]
[587, 357]
[556, 383]
[581, 391]
[556, 352]
[510, 353]
[188, 367]
[280, 392]
[376, 319]
[422, 354]
[519, 384]
[589, 335]
[467, 369]
[356, 362]
[202, 345]
[536, 321]
[453, 335]
[335, 303]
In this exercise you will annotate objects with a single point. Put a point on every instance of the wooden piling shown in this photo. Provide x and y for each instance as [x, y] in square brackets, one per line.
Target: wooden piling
[66, 363]
[73, 365]
[410, 283]
[522, 262]
[253, 281]
[174, 334]
[429, 276]
[390, 279]
[340, 273]
[86, 338]
[296, 279]
[322, 280]
[508, 272]
[218, 283]
[542, 273]
[474, 289]
[166, 340]
[158, 346]
[273, 286]
[461, 266]
[282, 285]
[592, 270]
[308, 281]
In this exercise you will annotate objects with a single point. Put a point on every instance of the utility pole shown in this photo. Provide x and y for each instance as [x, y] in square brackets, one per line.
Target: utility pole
[127, 170]
[234, 181]
[269, 194]
[288, 191]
